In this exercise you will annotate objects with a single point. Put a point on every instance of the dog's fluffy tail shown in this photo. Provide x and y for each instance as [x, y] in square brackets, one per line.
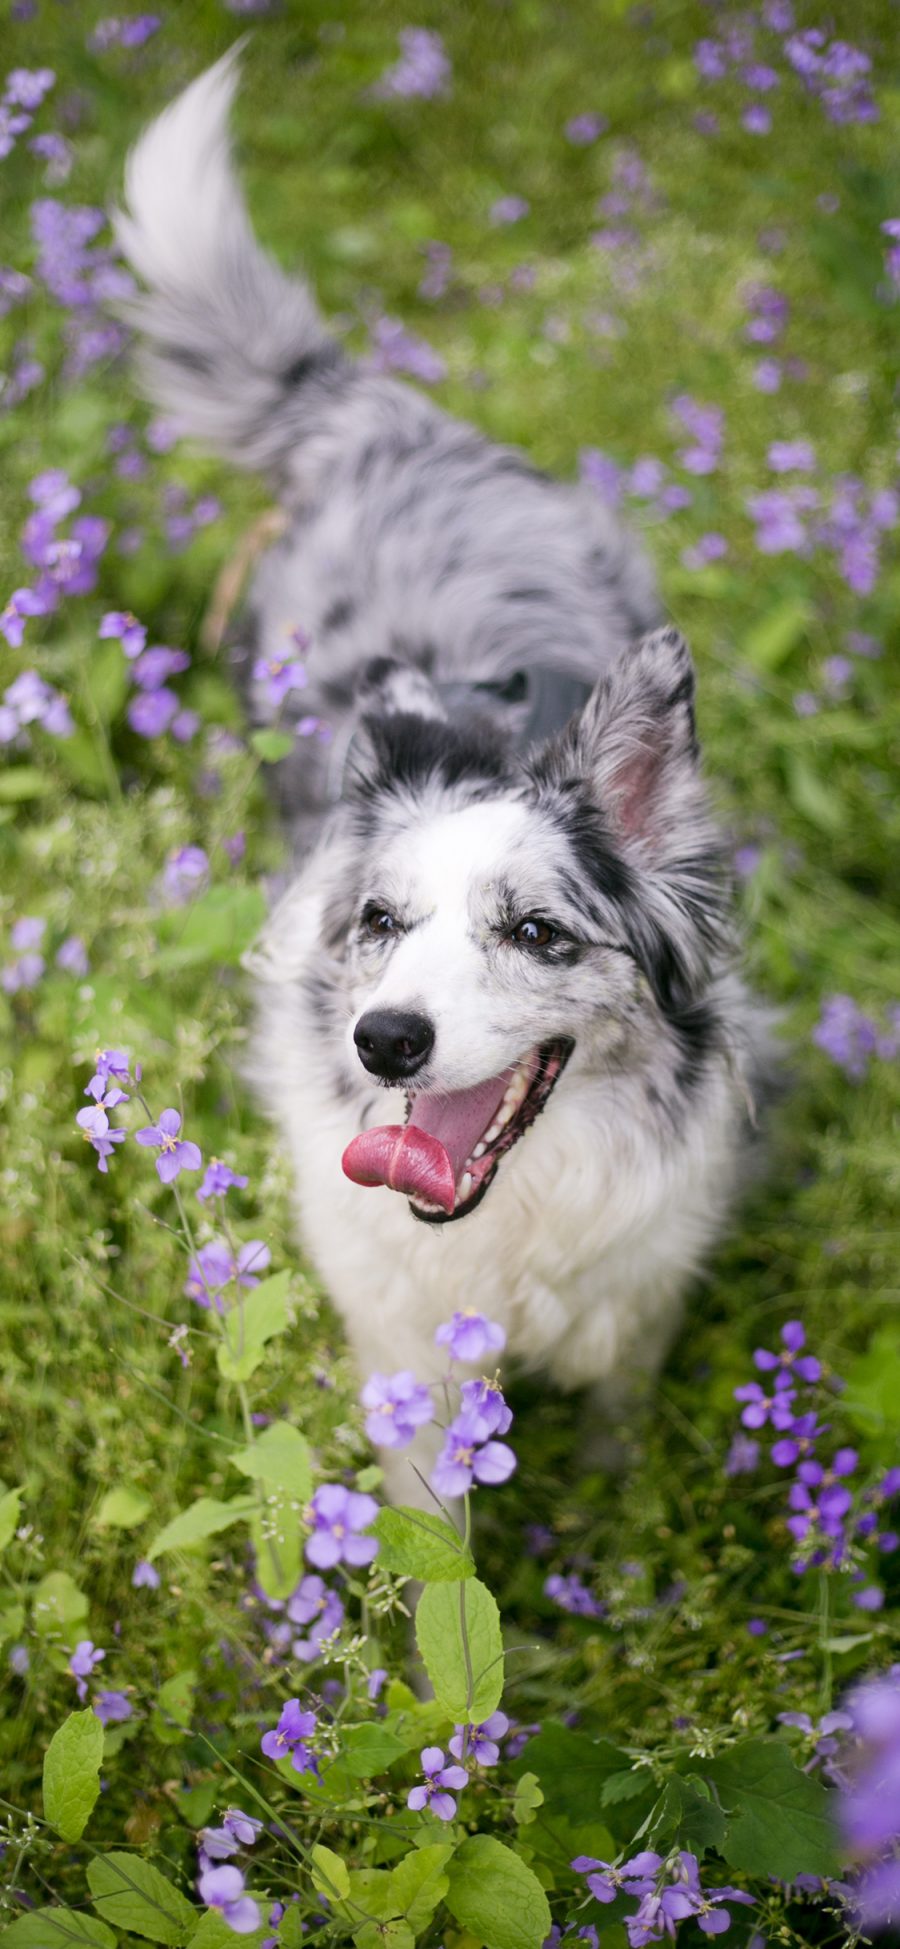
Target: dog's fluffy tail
[232, 346]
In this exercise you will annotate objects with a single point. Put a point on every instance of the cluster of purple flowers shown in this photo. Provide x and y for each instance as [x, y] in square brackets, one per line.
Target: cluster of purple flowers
[26, 938]
[835, 72]
[291, 1736]
[176, 1153]
[891, 229]
[23, 93]
[67, 566]
[134, 31]
[869, 1804]
[155, 708]
[476, 1745]
[852, 1038]
[423, 69]
[222, 1887]
[185, 874]
[668, 1892]
[338, 1517]
[732, 56]
[630, 195]
[82, 276]
[831, 1526]
[571, 1594]
[394, 349]
[216, 1266]
[850, 524]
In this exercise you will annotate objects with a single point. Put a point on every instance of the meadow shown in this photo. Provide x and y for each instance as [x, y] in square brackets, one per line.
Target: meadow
[657, 245]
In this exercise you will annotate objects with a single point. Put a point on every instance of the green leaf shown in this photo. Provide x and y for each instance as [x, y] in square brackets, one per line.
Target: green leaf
[572, 1768]
[329, 1874]
[779, 1819]
[810, 795]
[872, 1394]
[494, 1895]
[12, 1618]
[57, 1601]
[368, 1750]
[131, 1894]
[439, 1636]
[218, 927]
[392, 1934]
[272, 745]
[20, 782]
[251, 1324]
[122, 1509]
[195, 1804]
[214, 1933]
[204, 1518]
[72, 1773]
[174, 1706]
[9, 1515]
[58, 1928]
[688, 1815]
[768, 644]
[528, 1798]
[622, 1786]
[280, 1457]
[419, 1882]
[415, 1543]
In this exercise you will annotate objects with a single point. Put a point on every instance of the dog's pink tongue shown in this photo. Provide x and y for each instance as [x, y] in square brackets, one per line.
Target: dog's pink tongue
[424, 1156]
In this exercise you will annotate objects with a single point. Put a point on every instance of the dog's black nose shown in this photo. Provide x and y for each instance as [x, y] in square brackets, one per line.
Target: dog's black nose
[393, 1044]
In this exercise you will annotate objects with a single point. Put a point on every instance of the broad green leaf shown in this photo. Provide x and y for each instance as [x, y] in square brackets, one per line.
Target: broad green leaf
[872, 1394]
[393, 1934]
[251, 1324]
[769, 643]
[174, 1706]
[528, 1798]
[20, 782]
[368, 1750]
[12, 1618]
[572, 1768]
[10, 1505]
[279, 1457]
[57, 1601]
[272, 745]
[213, 1933]
[131, 1894]
[122, 1509]
[415, 1543]
[204, 1518]
[494, 1895]
[72, 1773]
[330, 1874]
[468, 1688]
[686, 1814]
[812, 796]
[195, 1804]
[58, 1928]
[419, 1882]
[779, 1820]
[623, 1786]
[372, 1889]
[275, 1535]
[218, 927]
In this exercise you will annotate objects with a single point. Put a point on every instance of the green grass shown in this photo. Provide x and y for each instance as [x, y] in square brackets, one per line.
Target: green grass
[91, 1394]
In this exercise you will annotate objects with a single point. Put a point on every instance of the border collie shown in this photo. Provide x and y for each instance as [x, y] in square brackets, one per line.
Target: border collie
[499, 1021]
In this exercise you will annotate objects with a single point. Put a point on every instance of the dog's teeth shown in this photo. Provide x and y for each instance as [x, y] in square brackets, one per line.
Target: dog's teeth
[465, 1184]
[479, 1150]
[494, 1131]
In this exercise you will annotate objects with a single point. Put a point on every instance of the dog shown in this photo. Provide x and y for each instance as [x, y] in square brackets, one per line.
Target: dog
[500, 1025]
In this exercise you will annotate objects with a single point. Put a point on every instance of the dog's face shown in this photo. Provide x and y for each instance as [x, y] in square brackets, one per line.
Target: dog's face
[498, 920]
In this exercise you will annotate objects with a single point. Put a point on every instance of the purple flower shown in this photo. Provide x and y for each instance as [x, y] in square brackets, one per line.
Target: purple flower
[338, 1515]
[581, 130]
[218, 1179]
[234, 847]
[22, 604]
[485, 1399]
[757, 121]
[470, 1336]
[572, 1595]
[121, 625]
[480, 1742]
[793, 1337]
[438, 1777]
[508, 209]
[26, 87]
[223, 1888]
[71, 955]
[186, 869]
[423, 69]
[767, 376]
[464, 1460]
[397, 1405]
[279, 675]
[709, 548]
[743, 1456]
[237, 1830]
[96, 1129]
[397, 350]
[112, 1708]
[291, 1734]
[792, 457]
[150, 714]
[214, 1267]
[176, 1154]
[153, 667]
[82, 1663]
[144, 1576]
[876, 1897]
[848, 1036]
[314, 1604]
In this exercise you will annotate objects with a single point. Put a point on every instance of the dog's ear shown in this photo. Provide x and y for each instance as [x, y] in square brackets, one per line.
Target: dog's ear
[635, 742]
[625, 783]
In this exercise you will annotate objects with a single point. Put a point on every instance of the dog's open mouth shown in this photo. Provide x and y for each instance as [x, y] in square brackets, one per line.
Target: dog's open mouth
[447, 1153]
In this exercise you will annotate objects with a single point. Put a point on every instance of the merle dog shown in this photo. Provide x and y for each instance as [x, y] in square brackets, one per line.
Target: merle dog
[500, 1025]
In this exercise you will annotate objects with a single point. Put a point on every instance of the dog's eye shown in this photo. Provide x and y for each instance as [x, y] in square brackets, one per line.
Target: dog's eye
[377, 920]
[533, 932]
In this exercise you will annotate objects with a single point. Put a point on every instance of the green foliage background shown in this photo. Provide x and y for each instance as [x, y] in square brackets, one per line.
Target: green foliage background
[93, 1398]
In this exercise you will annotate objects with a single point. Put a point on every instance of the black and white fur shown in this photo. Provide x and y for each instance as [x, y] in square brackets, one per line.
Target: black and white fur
[418, 556]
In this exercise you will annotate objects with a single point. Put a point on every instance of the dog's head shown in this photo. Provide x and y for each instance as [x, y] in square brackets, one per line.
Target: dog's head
[490, 917]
